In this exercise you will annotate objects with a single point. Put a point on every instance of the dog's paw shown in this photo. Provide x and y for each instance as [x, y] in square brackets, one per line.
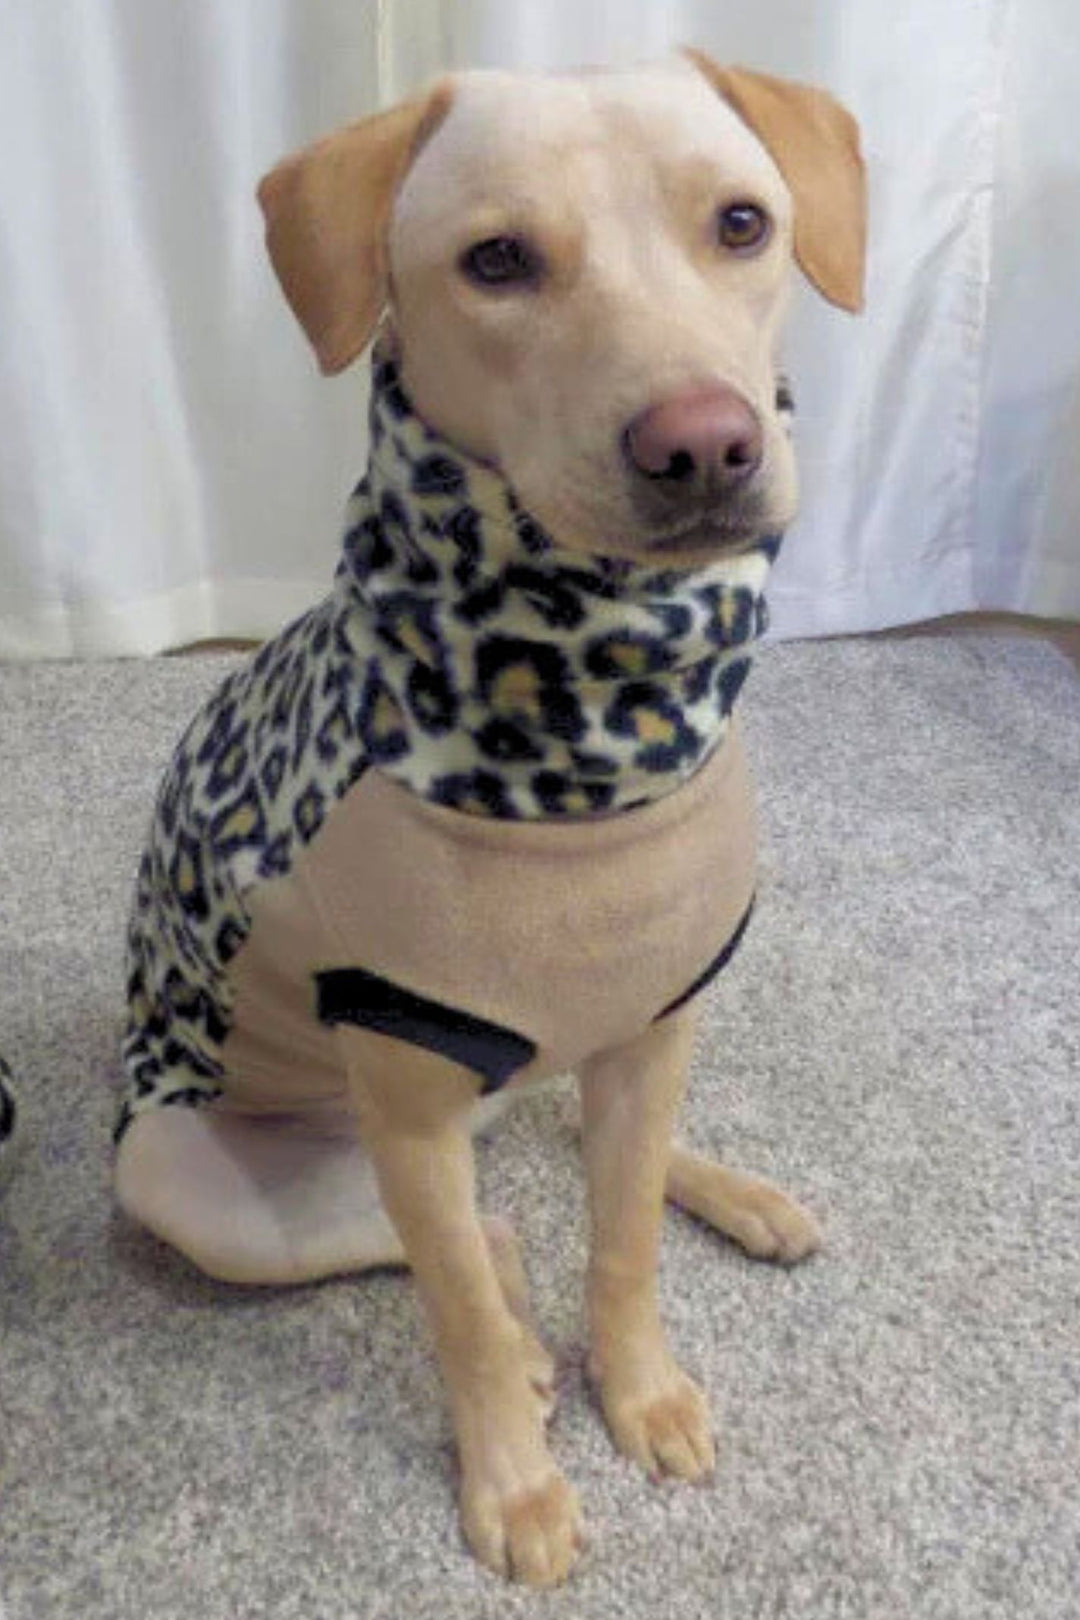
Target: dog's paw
[771, 1226]
[532, 1534]
[761, 1219]
[664, 1425]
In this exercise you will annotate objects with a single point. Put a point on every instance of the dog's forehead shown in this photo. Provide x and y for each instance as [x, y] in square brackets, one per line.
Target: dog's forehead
[503, 128]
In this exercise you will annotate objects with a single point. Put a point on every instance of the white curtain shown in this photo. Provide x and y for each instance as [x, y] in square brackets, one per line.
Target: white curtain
[172, 468]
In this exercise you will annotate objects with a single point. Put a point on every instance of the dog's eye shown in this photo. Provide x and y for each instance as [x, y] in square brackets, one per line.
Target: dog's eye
[743, 227]
[501, 261]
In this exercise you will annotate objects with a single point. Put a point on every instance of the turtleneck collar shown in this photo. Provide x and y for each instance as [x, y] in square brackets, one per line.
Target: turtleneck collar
[508, 676]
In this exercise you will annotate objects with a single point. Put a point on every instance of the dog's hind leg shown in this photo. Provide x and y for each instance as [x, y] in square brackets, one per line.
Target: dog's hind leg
[255, 1199]
[751, 1211]
[263, 1199]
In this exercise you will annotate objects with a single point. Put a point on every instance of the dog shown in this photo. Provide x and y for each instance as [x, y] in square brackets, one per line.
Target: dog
[483, 815]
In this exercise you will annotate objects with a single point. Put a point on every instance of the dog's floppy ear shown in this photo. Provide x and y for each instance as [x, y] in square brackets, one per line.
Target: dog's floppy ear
[327, 212]
[814, 142]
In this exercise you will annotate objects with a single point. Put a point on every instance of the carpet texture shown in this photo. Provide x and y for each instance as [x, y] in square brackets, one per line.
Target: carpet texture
[898, 1042]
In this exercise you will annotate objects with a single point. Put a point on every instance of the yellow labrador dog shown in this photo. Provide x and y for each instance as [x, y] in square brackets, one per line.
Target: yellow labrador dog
[482, 816]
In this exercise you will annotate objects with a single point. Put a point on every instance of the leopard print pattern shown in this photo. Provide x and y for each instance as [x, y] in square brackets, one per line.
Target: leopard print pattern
[510, 677]
[462, 653]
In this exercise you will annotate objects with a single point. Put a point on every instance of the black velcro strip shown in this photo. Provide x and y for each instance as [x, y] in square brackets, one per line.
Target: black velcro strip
[355, 996]
[717, 965]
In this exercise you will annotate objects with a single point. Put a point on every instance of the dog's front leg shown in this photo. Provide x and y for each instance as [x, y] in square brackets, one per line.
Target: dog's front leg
[629, 1099]
[519, 1515]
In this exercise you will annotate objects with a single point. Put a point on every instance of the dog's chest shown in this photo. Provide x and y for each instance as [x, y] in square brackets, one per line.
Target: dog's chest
[571, 937]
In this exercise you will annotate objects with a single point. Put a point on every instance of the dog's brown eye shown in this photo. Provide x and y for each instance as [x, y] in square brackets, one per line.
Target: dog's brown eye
[743, 227]
[501, 261]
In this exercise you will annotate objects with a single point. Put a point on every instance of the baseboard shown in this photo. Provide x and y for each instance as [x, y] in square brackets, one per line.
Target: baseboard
[1063, 633]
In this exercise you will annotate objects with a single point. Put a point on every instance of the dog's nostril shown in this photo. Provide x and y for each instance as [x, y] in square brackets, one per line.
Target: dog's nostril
[743, 453]
[660, 462]
[681, 467]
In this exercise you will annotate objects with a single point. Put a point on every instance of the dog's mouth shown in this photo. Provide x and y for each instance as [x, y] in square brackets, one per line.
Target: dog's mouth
[693, 545]
[712, 536]
[705, 530]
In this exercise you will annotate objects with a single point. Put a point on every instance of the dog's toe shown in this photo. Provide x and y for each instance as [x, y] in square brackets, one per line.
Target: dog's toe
[533, 1536]
[668, 1432]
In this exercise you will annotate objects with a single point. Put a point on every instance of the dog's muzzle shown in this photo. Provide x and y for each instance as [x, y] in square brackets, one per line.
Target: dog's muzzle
[697, 447]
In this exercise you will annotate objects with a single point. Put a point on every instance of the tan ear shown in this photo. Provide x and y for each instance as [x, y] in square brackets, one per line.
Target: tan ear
[814, 142]
[327, 212]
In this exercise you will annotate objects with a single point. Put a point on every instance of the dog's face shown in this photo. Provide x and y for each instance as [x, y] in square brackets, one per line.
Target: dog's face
[586, 277]
[559, 268]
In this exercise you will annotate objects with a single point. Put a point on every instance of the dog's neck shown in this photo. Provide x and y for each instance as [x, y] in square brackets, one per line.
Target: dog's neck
[510, 677]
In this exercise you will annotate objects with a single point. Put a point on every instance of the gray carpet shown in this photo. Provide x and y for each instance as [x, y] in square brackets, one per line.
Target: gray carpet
[898, 1041]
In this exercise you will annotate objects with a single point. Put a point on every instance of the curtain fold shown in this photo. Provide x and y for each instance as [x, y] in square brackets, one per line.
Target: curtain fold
[172, 467]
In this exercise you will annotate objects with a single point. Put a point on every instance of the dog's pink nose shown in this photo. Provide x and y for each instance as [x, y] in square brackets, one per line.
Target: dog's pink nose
[704, 431]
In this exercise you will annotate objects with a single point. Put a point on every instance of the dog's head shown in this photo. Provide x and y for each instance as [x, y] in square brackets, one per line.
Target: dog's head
[585, 278]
